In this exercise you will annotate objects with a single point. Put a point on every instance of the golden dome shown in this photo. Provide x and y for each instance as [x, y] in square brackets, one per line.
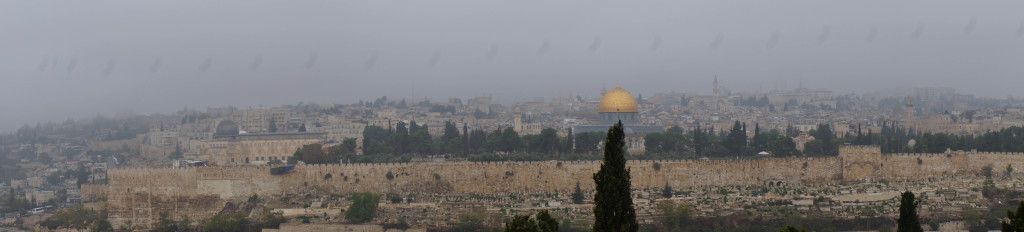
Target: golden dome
[617, 100]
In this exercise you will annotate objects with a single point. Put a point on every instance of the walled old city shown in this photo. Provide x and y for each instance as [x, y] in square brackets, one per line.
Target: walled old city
[804, 157]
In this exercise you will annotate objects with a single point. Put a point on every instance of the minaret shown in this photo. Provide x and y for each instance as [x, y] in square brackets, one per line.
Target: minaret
[910, 112]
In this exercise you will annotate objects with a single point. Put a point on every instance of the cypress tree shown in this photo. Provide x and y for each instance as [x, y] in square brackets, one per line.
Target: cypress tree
[613, 202]
[1015, 220]
[577, 196]
[667, 191]
[736, 140]
[908, 221]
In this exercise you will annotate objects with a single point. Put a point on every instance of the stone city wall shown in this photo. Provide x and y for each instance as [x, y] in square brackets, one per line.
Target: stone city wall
[998, 160]
[93, 192]
[140, 195]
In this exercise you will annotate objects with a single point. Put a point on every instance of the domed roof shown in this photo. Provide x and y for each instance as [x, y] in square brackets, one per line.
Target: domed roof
[226, 128]
[617, 100]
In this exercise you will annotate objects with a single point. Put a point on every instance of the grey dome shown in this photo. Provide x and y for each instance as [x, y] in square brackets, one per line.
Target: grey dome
[226, 128]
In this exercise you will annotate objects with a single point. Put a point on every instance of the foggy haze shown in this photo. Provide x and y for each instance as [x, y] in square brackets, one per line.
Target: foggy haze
[82, 58]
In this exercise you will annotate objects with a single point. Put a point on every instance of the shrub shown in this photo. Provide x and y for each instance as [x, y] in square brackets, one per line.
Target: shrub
[75, 218]
[226, 223]
[273, 220]
[364, 206]
[394, 198]
[305, 219]
[400, 225]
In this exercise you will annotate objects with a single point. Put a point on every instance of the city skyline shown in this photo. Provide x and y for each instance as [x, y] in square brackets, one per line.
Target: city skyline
[97, 58]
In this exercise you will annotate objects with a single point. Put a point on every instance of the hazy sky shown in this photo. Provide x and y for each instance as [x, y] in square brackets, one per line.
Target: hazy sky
[61, 59]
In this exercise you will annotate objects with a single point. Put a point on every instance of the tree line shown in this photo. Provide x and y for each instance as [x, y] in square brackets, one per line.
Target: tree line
[896, 139]
[405, 141]
[676, 143]
[412, 139]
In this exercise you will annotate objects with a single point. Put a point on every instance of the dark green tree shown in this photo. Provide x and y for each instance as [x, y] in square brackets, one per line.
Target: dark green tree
[364, 206]
[986, 171]
[521, 223]
[273, 126]
[420, 141]
[674, 217]
[511, 141]
[908, 221]
[450, 137]
[759, 142]
[666, 143]
[1015, 220]
[779, 145]
[1009, 171]
[587, 142]
[348, 145]
[273, 220]
[400, 139]
[375, 140]
[548, 141]
[312, 154]
[568, 147]
[477, 139]
[546, 223]
[613, 210]
[577, 196]
[666, 192]
[413, 127]
[101, 225]
[702, 141]
[302, 128]
[736, 142]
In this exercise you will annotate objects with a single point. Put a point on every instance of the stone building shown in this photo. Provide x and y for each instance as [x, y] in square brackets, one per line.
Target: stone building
[230, 147]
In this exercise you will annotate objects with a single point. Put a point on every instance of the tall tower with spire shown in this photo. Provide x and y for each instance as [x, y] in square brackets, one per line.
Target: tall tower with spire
[715, 90]
[909, 110]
